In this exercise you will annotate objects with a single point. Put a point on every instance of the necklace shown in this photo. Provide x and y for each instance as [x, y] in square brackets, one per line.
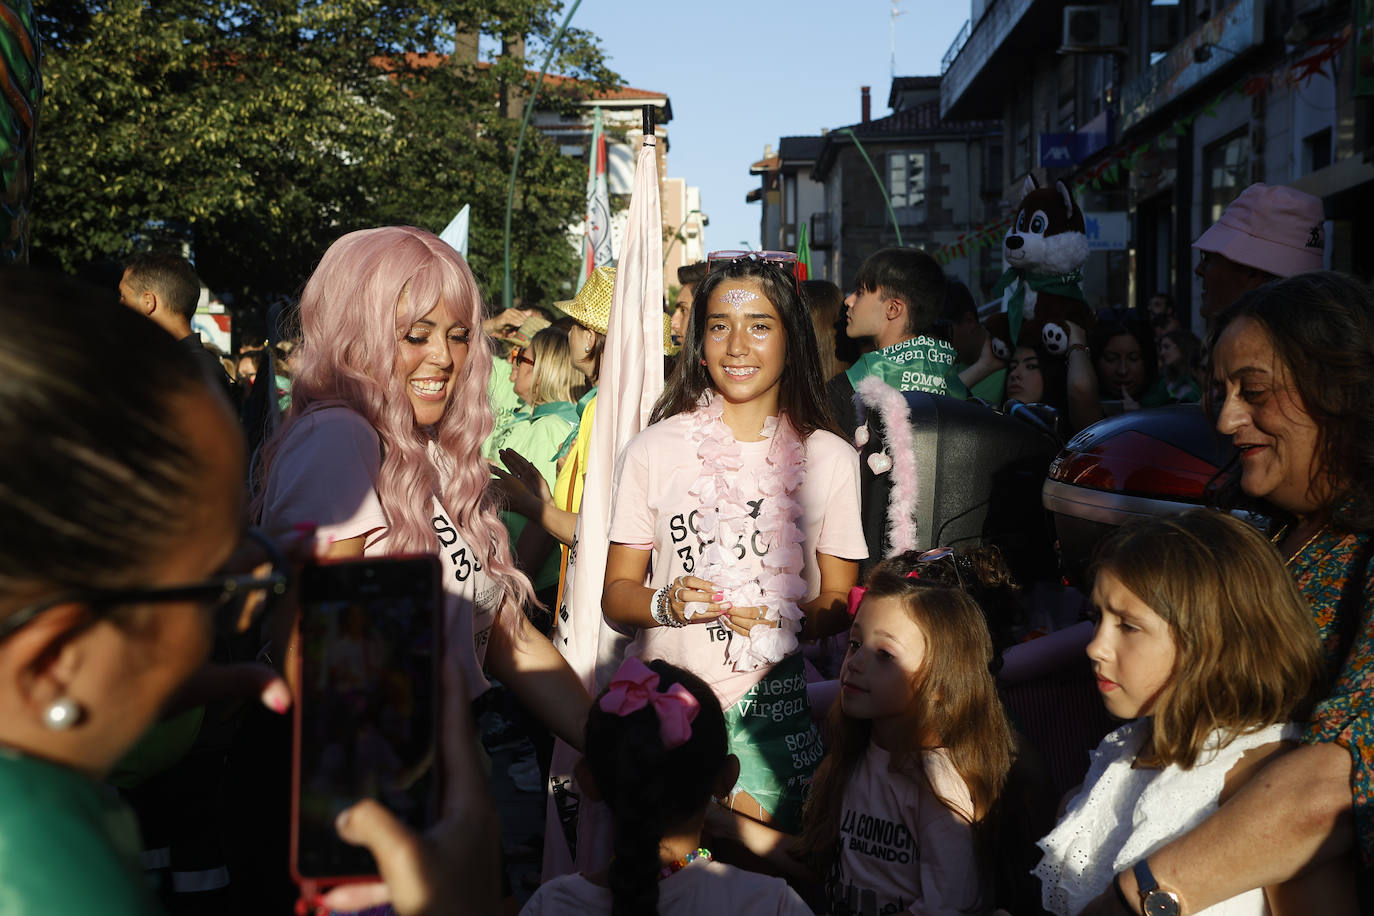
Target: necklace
[723, 518]
[1278, 539]
[701, 854]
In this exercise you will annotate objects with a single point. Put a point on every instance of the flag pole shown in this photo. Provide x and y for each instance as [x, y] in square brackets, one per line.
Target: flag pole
[507, 295]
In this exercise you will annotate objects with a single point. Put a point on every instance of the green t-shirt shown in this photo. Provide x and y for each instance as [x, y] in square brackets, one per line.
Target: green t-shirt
[916, 364]
[68, 844]
[537, 436]
[989, 389]
[504, 401]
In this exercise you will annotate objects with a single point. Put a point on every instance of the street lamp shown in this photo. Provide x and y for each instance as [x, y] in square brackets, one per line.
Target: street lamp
[677, 233]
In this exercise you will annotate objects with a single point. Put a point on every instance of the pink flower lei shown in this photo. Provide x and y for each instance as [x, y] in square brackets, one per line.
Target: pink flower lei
[722, 521]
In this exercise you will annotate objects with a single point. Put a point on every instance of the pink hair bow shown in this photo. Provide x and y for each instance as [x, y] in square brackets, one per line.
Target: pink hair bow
[856, 594]
[634, 686]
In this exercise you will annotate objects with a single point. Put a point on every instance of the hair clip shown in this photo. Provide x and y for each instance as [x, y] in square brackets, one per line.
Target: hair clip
[856, 594]
[634, 687]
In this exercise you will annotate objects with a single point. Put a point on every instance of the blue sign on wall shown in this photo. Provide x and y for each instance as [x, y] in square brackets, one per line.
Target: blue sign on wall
[1063, 150]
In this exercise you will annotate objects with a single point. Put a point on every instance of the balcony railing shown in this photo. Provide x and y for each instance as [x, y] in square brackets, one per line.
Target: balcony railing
[954, 47]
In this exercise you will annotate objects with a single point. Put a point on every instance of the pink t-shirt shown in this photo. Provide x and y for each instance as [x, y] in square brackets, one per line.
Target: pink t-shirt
[900, 849]
[325, 471]
[710, 887]
[651, 505]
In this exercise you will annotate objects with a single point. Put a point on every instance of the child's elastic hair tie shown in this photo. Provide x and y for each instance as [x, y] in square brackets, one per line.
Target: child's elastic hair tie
[634, 686]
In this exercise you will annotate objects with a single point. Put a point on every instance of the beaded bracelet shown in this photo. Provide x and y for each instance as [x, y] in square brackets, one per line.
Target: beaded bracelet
[659, 610]
[1083, 347]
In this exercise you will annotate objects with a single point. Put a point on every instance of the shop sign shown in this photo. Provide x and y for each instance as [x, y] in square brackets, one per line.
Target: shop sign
[1108, 230]
[1062, 150]
[1236, 28]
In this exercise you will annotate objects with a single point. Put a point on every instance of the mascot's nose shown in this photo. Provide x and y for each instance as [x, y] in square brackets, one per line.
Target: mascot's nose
[1015, 241]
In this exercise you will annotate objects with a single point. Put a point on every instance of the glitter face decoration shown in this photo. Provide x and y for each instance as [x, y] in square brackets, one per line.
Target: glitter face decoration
[736, 298]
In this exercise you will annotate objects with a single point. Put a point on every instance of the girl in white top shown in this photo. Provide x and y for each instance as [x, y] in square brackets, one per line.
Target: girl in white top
[381, 450]
[656, 753]
[917, 751]
[1205, 644]
[735, 523]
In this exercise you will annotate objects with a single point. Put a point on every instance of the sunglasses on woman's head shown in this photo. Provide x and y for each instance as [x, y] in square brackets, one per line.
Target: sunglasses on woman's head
[783, 260]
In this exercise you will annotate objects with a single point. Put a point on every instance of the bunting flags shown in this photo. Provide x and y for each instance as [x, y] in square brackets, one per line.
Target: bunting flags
[596, 240]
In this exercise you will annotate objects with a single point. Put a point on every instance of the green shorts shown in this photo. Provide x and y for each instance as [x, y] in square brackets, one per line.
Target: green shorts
[778, 745]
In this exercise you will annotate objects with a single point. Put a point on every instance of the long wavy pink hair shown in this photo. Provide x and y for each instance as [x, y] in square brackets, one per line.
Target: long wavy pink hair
[368, 288]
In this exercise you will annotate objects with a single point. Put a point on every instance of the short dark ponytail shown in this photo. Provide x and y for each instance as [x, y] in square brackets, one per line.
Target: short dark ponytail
[651, 789]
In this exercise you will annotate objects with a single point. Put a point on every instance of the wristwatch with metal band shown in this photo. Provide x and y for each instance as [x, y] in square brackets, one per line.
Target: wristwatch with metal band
[1154, 900]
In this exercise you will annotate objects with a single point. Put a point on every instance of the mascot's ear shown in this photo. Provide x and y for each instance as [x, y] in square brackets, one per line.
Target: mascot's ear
[1068, 198]
[1028, 185]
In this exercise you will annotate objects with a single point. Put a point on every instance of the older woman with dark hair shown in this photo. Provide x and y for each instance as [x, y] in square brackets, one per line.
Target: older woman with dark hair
[1292, 368]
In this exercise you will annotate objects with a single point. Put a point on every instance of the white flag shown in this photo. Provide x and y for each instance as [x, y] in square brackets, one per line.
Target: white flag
[456, 233]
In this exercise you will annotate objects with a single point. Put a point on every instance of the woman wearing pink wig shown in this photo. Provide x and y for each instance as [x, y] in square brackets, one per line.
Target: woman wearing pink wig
[381, 448]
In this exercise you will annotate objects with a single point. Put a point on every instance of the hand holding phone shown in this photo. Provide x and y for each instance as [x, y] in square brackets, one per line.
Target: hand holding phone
[368, 679]
[455, 867]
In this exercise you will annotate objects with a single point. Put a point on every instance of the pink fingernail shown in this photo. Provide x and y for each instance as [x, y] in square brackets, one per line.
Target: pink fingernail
[718, 596]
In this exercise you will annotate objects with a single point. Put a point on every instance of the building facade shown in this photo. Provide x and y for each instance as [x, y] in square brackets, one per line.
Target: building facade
[1164, 112]
[908, 178]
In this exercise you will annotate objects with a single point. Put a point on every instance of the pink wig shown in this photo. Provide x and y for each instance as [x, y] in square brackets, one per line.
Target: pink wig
[369, 287]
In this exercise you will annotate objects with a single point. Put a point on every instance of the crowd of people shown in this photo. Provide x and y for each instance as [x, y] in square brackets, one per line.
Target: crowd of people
[155, 515]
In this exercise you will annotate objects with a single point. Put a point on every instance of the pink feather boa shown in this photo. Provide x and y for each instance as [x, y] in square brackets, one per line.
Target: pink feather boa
[901, 503]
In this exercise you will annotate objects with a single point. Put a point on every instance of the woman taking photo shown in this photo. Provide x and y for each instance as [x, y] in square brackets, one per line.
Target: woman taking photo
[740, 509]
[1292, 370]
[381, 449]
[107, 623]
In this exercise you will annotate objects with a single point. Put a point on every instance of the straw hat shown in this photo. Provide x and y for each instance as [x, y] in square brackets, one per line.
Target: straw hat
[591, 307]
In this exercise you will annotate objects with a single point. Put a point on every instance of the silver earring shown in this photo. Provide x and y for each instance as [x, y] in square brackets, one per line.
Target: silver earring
[586, 349]
[61, 714]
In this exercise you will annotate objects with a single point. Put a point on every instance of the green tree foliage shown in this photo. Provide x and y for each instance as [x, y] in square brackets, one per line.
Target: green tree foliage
[271, 127]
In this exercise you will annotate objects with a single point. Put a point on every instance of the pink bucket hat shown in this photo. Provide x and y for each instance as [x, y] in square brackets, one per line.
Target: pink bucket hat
[1272, 228]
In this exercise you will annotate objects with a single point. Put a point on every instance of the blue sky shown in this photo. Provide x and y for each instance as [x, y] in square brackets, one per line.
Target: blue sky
[742, 73]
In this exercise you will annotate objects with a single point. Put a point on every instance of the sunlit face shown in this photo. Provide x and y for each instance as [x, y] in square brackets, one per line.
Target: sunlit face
[1121, 367]
[1169, 353]
[879, 675]
[1024, 381]
[582, 341]
[430, 354]
[867, 313]
[1132, 651]
[522, 373]
[682, 313]
[1266, 419]
[745, 343]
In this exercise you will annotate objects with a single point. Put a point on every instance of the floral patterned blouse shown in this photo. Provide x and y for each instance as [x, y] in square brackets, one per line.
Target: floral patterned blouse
[1321, 569]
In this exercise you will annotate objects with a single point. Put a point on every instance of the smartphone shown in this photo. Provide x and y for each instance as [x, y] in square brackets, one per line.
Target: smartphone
[367, 704]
